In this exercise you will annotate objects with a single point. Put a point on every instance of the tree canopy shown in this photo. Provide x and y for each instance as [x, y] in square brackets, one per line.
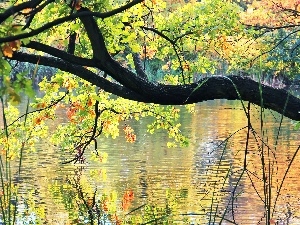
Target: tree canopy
[112, 43]
[162, 52]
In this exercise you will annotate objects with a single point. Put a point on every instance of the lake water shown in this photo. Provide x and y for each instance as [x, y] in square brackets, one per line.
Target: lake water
[205, 183]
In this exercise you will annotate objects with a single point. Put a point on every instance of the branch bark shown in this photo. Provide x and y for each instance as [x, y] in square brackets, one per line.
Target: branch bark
[79, 71]
[217, 87]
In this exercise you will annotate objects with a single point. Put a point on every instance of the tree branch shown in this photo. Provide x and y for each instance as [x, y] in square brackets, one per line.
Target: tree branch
[80, 72]
[138, 88]
[217, 87]
[60, 54]
[106, 63]
[71, 45]
[34, 12]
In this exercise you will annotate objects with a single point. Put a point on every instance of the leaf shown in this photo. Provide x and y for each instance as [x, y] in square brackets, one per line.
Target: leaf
[135, 47]
[75, 26]
[14, 97]
[4, 67]
[7, 50]
[203, 70]
[78, 4]
[125, 17]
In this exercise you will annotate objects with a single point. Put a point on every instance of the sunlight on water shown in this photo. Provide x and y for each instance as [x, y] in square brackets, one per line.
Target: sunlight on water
[207, 178]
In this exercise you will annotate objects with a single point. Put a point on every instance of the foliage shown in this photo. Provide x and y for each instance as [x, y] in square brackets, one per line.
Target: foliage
[274, 24]
[176, 42]
[78, 102]
[17, 138]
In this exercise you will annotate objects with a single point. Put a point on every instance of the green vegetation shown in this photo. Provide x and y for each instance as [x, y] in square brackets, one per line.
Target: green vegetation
[101, 65]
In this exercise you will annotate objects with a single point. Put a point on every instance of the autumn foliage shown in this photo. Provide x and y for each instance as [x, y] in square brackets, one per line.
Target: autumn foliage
[9, 48]
[127, 199]
[129, 134]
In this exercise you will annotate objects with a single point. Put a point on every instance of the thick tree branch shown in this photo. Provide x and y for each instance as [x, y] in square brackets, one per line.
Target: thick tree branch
[107, 64]
[80, 72]
[71, 45]
[217, 87]
[60, 54]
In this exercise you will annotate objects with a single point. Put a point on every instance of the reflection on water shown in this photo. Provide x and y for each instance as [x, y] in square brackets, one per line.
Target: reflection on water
[208, 179]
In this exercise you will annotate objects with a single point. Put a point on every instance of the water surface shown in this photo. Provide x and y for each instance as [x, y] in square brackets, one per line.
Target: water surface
[208, 178]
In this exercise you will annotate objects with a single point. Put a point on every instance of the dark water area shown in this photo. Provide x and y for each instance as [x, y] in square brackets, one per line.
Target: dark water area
[208, 182]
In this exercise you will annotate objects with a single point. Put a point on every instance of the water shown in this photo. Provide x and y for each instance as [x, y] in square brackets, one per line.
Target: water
[205, 182]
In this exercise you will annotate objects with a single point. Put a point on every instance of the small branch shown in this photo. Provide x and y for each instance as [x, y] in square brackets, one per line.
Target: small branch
[67, 18]
[39, 110]
[94, 135]
[15, 9]
[34, 12]
[183, 35]
[277, 44]
[159, 33]
[271, 28]
[71, 45]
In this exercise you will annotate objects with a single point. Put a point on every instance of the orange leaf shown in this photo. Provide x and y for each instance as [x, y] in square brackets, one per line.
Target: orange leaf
[7, 51]
[90, 102]
[27, 10]
[127, 199]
